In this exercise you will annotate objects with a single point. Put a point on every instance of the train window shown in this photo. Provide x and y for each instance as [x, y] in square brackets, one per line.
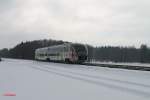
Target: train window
[65, 49]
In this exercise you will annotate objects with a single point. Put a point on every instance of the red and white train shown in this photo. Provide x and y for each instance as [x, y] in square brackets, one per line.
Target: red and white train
[68, 52]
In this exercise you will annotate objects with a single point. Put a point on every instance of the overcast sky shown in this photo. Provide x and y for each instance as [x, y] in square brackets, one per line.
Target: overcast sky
[95, 22]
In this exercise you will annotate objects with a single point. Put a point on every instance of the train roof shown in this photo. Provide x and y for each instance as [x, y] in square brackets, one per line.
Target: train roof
[61, 45]
[54, 46]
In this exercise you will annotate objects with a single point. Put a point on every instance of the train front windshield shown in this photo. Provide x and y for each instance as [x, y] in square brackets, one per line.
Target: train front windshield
[80, 49]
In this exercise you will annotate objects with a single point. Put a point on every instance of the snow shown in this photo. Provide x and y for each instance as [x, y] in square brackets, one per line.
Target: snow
[33, 80]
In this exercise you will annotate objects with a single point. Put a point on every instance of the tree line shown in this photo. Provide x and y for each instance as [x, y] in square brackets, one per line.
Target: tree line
[121, 54]
[25, 50]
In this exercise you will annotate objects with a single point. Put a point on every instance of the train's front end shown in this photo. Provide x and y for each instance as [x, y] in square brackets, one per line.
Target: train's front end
[80, 51]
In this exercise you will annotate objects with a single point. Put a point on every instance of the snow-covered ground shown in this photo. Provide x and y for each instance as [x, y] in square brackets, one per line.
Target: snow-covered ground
[33, 80]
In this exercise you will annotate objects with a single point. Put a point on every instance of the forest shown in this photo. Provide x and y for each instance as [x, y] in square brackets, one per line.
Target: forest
[25, 50]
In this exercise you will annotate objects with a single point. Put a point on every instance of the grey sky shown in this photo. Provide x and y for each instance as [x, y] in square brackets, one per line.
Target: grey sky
[96, 22]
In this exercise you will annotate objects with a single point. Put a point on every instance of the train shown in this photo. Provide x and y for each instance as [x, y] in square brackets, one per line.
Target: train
[67, 52]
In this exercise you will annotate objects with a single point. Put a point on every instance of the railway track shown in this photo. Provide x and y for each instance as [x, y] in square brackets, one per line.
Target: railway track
[129, 67]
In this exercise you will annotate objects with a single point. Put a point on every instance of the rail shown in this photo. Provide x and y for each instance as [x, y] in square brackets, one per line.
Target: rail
[129, 67]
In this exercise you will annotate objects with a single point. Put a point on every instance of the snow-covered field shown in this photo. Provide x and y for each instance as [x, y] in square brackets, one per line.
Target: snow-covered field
[33, 80]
